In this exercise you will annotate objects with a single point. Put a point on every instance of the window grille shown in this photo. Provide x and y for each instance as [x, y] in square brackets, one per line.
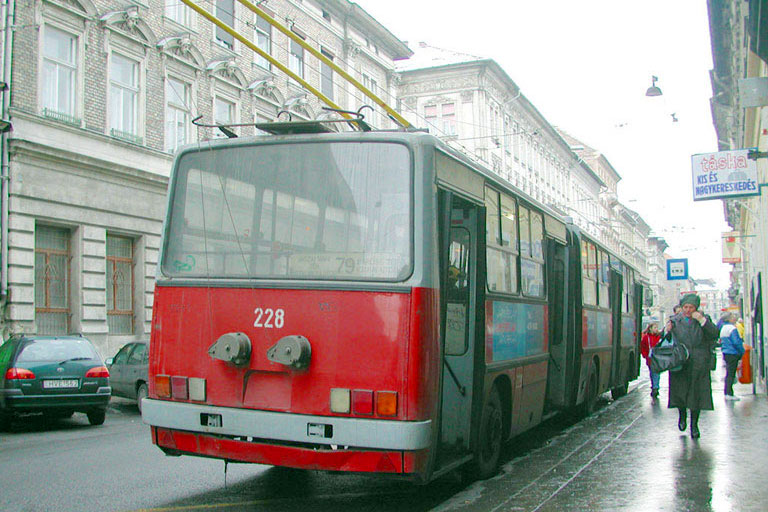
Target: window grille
[51, 280]
[119, 285]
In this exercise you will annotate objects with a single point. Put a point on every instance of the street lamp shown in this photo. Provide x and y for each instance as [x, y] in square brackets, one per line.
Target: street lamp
[653, 90]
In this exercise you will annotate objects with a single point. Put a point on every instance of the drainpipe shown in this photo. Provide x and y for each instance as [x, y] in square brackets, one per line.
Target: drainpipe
[7, 26]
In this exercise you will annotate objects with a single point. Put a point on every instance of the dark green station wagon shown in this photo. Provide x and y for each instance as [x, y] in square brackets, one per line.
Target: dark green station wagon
[55, 375]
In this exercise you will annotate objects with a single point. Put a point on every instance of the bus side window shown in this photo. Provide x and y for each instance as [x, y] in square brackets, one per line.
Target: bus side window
[604, 280]
[457, 293]
[532, 260]
[501, 242]
[588, 273]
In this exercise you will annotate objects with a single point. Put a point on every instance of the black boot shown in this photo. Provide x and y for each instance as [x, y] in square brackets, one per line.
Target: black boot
[695, 434]
[682, 421]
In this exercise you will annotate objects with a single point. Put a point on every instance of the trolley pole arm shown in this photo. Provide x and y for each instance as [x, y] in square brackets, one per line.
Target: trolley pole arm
[229, 30]
[279, 26]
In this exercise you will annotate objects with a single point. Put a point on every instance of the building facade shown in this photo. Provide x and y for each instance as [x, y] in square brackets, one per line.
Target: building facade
[100, 94]
[739, 32]
[472, 103]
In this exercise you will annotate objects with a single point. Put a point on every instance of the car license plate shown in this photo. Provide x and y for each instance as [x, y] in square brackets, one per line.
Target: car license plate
[60, 383]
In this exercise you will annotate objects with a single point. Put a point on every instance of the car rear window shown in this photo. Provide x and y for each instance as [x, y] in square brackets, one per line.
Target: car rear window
[57, 350]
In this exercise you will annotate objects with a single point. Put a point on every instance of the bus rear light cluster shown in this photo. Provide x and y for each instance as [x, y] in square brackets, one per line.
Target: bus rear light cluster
[180, 388]
[363, 402]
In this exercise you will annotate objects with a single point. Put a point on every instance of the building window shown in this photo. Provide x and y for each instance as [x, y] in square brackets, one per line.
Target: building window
[176, 113]
[223, 113]
[178, 12]
[296, 59]
[124, 96]
[225, 11]
[263, 41]
[370, 83]
[442, 117]
[326, 76]
[119, 284]
[59, 74]
[51, 280]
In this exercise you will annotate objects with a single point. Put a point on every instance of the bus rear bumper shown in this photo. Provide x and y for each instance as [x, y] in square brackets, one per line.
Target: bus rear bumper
[175, 442]
[288, 429]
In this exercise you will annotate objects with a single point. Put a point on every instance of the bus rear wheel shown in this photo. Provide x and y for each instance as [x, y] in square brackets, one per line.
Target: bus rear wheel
[621, 390]
[590, 393]
[488, 449]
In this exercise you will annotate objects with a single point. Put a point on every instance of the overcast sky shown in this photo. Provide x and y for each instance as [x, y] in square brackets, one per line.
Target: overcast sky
[586, 65]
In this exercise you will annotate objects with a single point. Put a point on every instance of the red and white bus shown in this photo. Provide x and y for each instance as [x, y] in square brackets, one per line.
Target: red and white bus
[372, 302]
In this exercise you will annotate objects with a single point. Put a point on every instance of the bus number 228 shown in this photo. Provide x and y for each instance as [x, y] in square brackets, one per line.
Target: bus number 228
[269, 318]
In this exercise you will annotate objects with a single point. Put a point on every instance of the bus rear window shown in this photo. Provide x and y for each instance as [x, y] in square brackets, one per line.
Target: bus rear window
[339, 211]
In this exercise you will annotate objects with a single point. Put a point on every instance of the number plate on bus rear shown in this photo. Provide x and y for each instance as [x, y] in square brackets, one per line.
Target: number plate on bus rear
[60, 383]
[319, 430]
[210, 420]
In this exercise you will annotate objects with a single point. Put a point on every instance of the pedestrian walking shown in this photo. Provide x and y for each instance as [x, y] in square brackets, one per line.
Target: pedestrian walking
[690, 387]
[650, 338]
[733, 348]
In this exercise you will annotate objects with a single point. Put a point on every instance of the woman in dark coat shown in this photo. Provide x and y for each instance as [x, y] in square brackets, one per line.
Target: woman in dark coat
[691, 387]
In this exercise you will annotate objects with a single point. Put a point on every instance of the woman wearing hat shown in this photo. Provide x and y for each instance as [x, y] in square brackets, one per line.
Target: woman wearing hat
[690, 387]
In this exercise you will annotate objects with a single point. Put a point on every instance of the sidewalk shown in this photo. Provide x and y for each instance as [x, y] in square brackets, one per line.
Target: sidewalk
[630, 456]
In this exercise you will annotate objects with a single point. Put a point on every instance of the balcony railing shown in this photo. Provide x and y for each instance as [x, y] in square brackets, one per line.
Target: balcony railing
[126, 136]
[61, 117]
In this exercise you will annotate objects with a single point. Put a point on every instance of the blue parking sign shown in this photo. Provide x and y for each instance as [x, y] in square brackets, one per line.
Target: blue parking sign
[677, 269]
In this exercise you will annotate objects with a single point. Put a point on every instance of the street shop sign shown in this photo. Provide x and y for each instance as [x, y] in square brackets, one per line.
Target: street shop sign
[731, 249]
[724, 174]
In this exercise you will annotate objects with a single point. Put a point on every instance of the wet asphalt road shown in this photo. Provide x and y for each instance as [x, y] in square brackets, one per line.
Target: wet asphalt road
[627, 456]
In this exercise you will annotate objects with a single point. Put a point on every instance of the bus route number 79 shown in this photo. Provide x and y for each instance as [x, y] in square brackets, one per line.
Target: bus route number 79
[269, 318]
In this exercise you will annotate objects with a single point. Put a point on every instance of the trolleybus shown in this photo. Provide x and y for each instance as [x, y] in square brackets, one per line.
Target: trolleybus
[372, 302]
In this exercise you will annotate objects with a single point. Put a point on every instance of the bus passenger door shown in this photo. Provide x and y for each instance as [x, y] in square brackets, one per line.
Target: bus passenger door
[616, 297]
[562, 354]
[459, 268]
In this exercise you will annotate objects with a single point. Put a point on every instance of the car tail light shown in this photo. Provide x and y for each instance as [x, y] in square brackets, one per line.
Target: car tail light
[386, 403]
[180, 388]
[99, 372]
[19, 373]
[163, 386]
[340, 400]
[362, 401]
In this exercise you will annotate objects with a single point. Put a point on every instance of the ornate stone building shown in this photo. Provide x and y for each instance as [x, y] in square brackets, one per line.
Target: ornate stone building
[473, 104]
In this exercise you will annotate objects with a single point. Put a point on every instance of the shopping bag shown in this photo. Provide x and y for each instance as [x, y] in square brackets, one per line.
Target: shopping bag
[668, 355]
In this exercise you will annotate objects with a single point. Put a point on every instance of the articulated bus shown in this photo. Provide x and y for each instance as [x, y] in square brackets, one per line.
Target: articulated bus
[373, 302]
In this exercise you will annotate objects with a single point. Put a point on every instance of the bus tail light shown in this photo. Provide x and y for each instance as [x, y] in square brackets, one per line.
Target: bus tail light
[197, 389]
[362, 402]
[386, 403]
[340, 400]
[165, 438]
[163, 386]
[180, 388]
[19, 373]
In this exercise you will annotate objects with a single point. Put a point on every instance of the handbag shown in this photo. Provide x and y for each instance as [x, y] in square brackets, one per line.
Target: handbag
[668, 355]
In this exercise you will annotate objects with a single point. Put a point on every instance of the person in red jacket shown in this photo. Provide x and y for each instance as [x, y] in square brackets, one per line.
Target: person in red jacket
[651, 337]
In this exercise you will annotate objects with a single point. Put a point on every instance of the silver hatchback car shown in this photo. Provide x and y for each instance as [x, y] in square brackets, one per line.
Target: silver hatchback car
[128, 371]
